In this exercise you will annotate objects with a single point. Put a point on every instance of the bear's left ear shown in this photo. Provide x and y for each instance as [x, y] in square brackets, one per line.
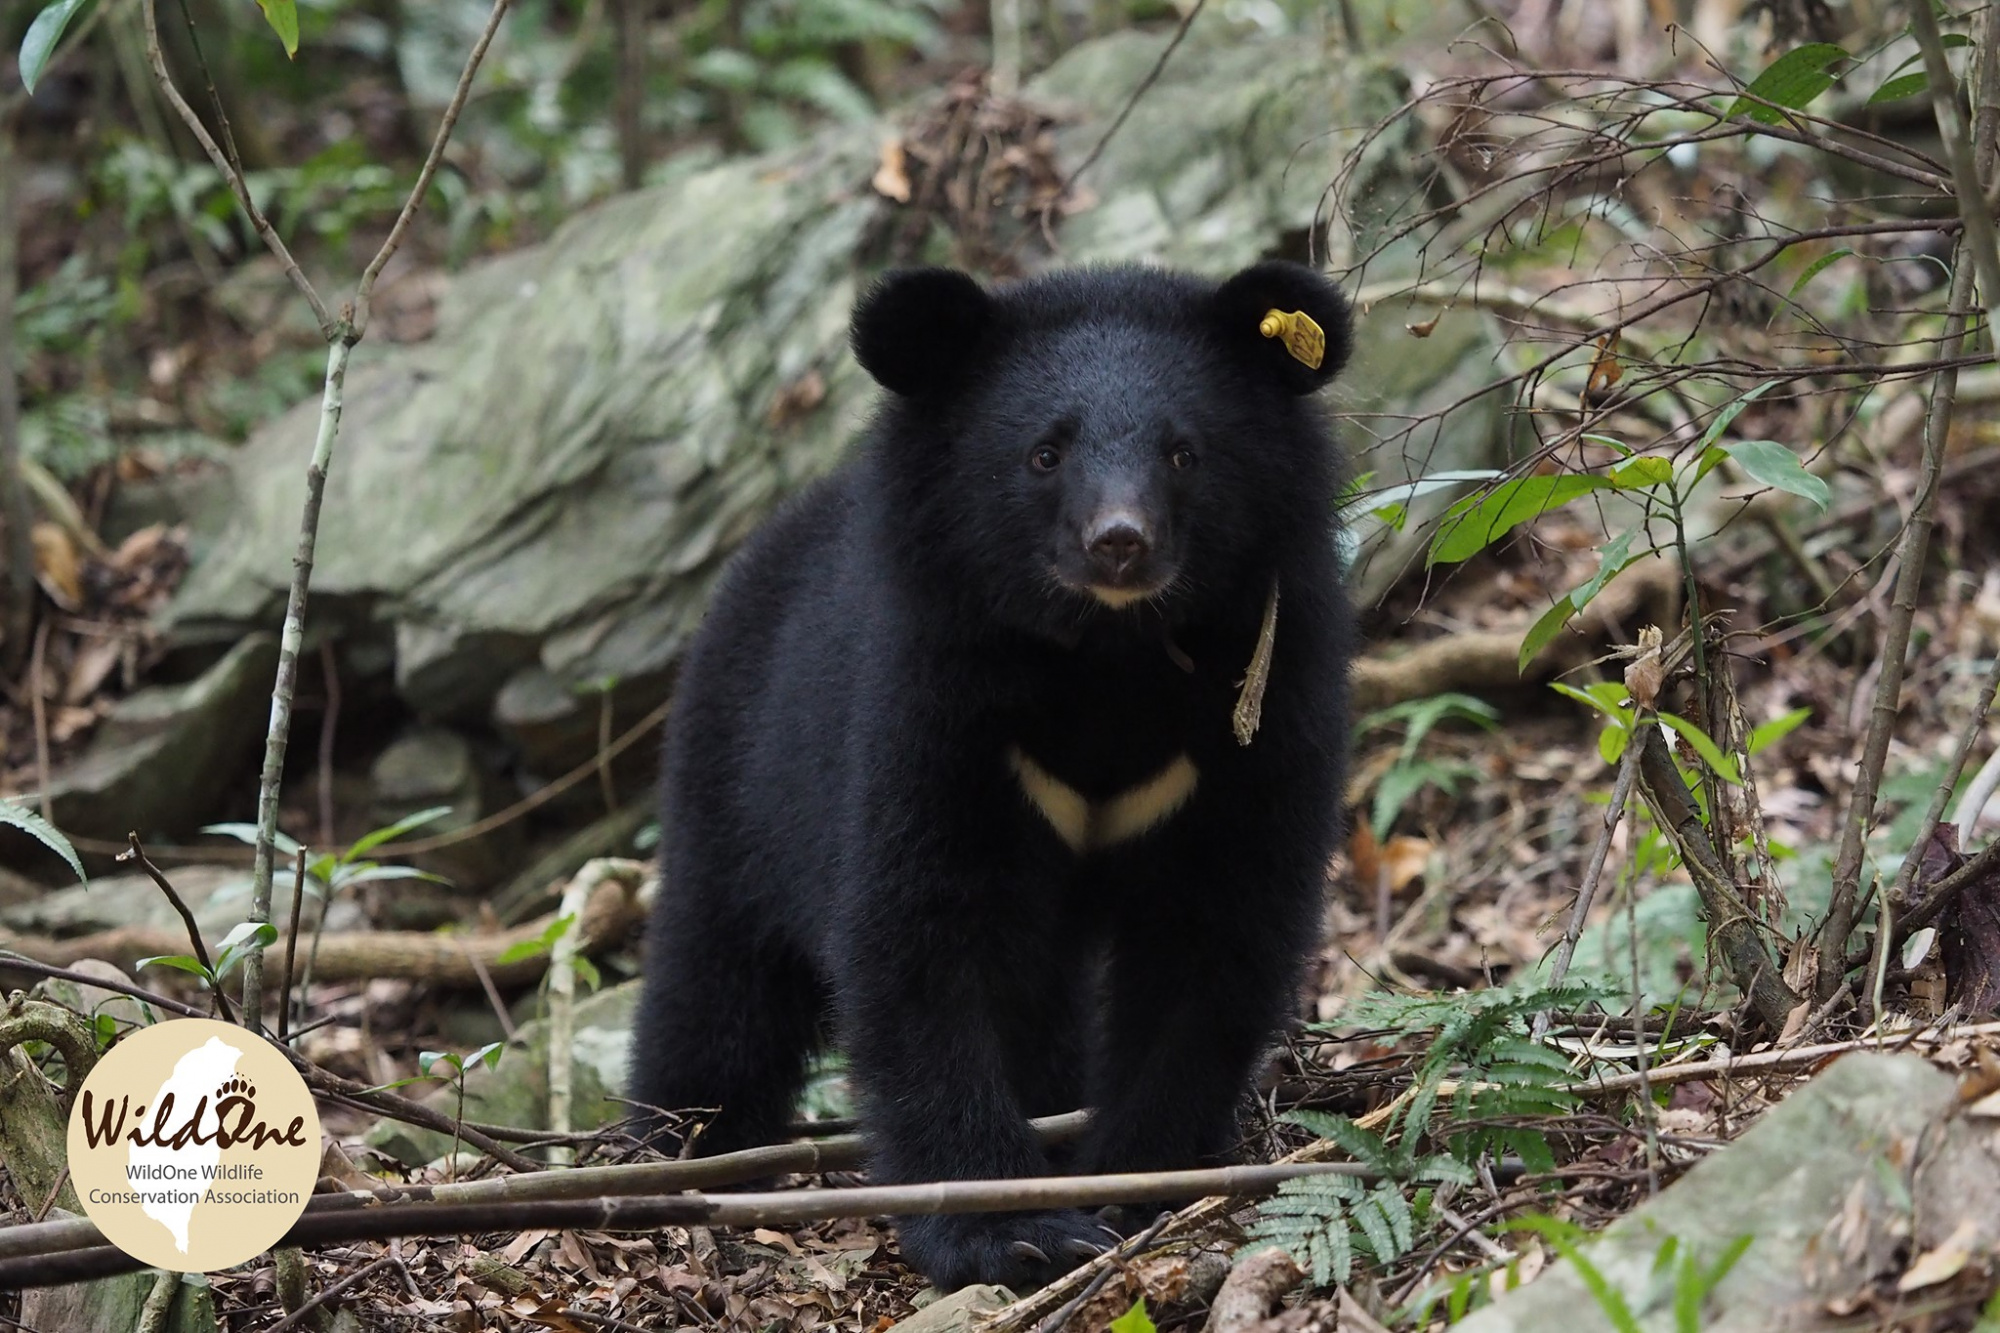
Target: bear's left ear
[918, 329]
[1287, 319]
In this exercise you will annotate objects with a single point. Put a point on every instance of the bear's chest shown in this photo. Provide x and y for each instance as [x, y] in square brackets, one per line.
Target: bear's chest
[1105, 756]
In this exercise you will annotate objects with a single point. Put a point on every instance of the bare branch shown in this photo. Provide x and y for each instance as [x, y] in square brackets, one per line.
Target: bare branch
[1911, 550]
[366, 288]
[328, 327]
[135, 852]
[1979, 234]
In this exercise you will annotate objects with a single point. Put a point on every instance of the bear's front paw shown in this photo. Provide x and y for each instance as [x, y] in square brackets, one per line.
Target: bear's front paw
[1021, 1251]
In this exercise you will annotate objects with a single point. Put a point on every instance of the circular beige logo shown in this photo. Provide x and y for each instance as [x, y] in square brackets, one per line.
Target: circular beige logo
[194, 1145]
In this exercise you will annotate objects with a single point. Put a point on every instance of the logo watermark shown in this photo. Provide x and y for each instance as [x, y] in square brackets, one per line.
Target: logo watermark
[194, 1145]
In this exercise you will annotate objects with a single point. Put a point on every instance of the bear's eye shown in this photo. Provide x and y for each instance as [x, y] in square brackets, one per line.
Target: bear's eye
[1045, 458]
[1182, 458]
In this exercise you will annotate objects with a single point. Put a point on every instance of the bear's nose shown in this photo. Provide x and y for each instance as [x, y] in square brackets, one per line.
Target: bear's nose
[1117, 542]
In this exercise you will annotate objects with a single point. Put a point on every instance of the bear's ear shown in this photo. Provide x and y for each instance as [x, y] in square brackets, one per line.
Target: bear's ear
[1288, 320]
[918, 329]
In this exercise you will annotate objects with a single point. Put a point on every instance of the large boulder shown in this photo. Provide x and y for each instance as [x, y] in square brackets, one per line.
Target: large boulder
[537, 500]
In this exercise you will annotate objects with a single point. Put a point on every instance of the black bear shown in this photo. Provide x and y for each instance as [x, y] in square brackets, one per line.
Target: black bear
[967, 755]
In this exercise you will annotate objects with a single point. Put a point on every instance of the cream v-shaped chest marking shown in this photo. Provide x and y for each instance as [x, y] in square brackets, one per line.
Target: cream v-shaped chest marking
[1089, 826]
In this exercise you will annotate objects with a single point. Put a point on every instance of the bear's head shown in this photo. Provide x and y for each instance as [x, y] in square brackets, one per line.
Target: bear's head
[1093, 442]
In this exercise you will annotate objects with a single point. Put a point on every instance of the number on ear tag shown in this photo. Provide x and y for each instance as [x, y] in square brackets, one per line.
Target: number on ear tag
[1304, 339]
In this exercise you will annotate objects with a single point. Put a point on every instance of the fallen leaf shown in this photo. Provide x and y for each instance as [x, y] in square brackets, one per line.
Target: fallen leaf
[95, 660]
[1364, 853]
[778, 1238]
[1944, 1262]
[1795, 1022]
[57, 566]
[892, 176]
[1404, 859]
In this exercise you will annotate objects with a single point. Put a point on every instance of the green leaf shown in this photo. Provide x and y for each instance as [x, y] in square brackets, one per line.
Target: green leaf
[248, 934]
[1543, 631]
[39, 46]
[283, 16]
[242, 941]
[1792, 80]
[368, 872]
[1391, 516]
[1134, 1320]
[1711, 754]
[428, 1061]
[1641, 473]
[1814, 269]
[368, 842]
[489, 1054]
[1723, 420]
[1606, 696]
[16, 814]
[248, 833]
[1770, 733]
[177, 960]
[1405, 780]
[1612, 558]
[1774, 465]
[514, 953]
[1896, 89]
[1560, 1238]
[1477, 521]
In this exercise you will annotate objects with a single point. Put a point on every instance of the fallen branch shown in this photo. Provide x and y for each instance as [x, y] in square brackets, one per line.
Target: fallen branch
[635, 1179]
[364, 1217]
[1766, 1062]
[442, 958]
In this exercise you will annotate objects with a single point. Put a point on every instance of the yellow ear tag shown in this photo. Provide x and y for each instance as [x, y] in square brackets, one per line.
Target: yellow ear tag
[1305, 340]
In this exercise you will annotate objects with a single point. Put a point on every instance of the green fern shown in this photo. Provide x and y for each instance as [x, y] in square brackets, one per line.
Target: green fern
[1478, 1037]
[1322, 1220]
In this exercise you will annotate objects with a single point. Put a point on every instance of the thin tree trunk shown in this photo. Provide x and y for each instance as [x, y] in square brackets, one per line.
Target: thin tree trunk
[631, 18]
[13, 491]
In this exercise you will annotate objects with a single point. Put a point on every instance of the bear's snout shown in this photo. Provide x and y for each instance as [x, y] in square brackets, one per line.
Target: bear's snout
[1117, 542]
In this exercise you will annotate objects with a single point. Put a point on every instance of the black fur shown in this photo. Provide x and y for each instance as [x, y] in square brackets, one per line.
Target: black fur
[844, 832]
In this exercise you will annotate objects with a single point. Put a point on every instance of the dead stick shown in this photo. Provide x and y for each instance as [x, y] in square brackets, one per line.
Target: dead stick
[1843, 907]
[1762, 1062]
[1621, 791]
[297, 1317]
[134, 852]
[367, 1218]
